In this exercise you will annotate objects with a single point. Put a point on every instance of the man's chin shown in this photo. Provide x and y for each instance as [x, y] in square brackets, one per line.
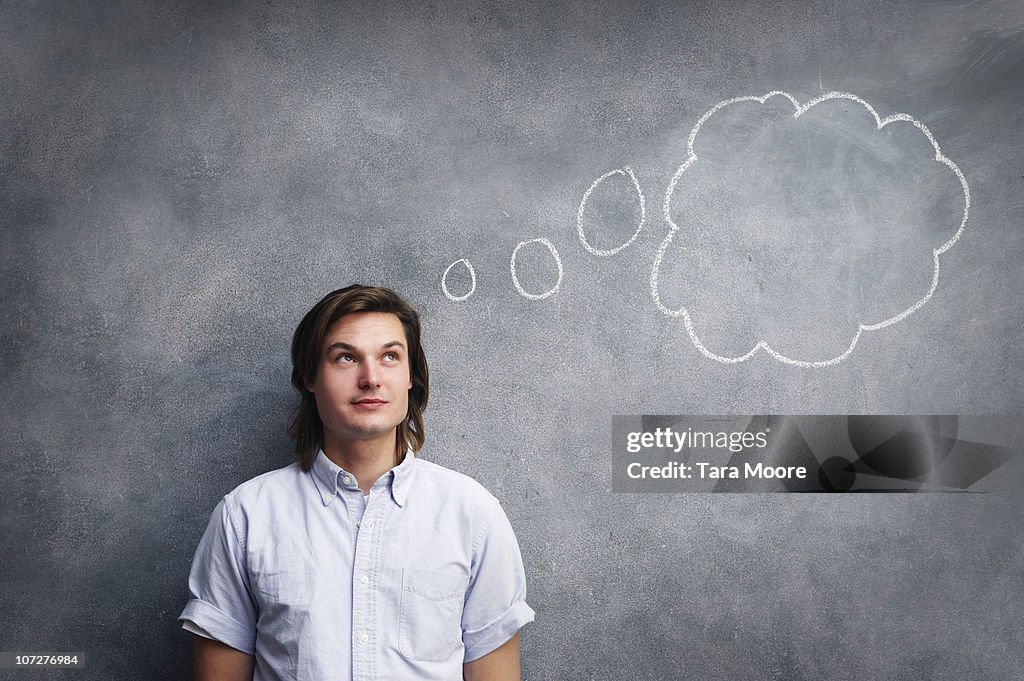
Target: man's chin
[368, 432]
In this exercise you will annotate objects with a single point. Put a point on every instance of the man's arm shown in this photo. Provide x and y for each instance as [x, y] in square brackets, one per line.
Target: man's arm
[501, 664]
[216, 661]
[221, 606]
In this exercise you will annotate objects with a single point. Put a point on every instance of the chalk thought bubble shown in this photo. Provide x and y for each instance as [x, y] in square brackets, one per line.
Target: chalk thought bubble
[795, 228]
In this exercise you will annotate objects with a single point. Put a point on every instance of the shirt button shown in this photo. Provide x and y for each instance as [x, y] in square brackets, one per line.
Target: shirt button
[346, 480]
[364, 579]
[364, 637]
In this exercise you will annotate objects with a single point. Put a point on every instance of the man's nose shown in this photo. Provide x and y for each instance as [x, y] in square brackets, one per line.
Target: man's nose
[369, 377]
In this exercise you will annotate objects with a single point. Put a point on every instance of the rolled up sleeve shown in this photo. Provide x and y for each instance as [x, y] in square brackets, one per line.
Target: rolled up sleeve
[221, 604]
[495, 607]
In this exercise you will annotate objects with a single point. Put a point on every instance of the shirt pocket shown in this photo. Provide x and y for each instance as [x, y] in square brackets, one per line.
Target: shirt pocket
[430, 617]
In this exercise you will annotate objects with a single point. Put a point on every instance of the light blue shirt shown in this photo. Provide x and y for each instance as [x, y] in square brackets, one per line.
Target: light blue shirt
[298, 569]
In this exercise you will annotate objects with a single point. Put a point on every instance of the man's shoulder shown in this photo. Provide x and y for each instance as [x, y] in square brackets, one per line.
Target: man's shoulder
[452, 484]
[266, 486]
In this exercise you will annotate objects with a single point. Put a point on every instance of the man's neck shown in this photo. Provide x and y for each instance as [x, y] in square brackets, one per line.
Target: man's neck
[365, 459]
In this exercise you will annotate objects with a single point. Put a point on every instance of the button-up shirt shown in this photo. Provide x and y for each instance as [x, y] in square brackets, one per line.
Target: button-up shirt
[317, 582]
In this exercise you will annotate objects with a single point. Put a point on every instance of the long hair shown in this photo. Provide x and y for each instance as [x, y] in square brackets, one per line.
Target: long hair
[306, 428]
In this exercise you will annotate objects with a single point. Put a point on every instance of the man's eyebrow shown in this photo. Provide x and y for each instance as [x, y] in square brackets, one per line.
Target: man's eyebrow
[342, 345]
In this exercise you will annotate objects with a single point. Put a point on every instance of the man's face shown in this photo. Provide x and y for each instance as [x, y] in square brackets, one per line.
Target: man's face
[362, 380]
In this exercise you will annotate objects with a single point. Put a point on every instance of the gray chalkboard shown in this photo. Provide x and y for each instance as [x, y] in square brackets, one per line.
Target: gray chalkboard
[180, 182]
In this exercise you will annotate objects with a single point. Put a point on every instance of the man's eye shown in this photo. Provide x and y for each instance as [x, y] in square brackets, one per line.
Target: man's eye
[392, 356]
[344, 357]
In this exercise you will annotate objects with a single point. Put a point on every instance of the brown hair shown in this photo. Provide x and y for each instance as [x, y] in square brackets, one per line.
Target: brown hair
[306, 428]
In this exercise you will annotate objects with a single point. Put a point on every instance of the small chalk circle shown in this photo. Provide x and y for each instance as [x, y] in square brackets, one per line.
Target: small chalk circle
[472, 281]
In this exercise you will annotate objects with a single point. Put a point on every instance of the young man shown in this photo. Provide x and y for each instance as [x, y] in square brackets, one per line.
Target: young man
[360, 560]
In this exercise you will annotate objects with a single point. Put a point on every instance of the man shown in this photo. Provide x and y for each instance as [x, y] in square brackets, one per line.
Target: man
[360, 560]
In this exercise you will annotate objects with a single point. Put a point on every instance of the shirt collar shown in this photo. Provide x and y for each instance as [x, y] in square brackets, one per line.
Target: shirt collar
[401, 477]
[327, 474]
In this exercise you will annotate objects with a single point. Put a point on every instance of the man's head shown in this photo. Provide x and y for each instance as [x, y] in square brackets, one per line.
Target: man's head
[359, 366]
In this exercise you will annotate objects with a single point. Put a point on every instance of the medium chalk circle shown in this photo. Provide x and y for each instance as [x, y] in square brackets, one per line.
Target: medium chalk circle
[558, 262]
[472, 281]
[625, 171]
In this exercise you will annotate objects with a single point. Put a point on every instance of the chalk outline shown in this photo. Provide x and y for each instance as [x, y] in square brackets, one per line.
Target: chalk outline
[861, 327]
[558, 262]
[628, 172]
[472, 280]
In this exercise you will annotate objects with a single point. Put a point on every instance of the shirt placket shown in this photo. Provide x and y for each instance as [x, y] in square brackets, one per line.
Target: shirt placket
[365, 637]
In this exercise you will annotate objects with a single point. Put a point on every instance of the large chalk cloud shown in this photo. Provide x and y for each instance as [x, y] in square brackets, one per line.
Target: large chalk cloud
[796, 228]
